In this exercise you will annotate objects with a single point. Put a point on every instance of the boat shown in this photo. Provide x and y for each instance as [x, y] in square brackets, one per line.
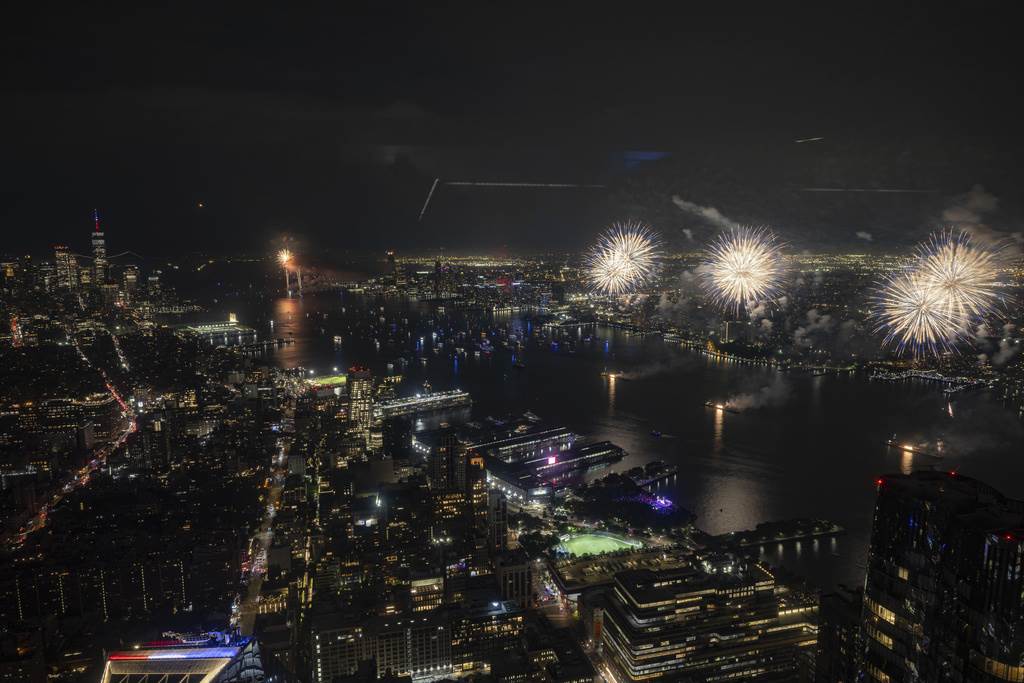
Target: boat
[721, 406]
[615, 375]
[915, 449]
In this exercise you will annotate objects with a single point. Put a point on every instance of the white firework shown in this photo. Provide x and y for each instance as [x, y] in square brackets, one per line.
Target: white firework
[914, 315]
[965, 274]
[624, 259]
[743, 269]
[951, 286]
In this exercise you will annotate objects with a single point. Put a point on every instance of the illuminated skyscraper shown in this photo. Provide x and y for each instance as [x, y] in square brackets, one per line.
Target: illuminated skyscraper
[130, 279]
[360, 387]
[944, 595]
[153, 284]
[67, 268]
[395, 272]
[99, 251]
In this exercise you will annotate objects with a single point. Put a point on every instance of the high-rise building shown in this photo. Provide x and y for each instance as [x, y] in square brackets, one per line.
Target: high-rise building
[497, 521]
[360, 388]
[396, 274]
[130, 279]
[153, 284]
[692, 623]
[944, 593]
[67, 267]
[156, 444]
[839, 640]
[99, 251]
[448, 463]
[513, 571]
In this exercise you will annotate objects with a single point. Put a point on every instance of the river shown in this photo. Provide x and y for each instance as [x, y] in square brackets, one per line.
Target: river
[807, 447]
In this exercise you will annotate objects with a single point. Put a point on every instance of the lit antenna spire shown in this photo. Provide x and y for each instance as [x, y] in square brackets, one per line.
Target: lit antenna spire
[96, 218]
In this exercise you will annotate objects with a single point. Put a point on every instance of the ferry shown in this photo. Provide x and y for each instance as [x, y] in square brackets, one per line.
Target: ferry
[614, 375]
[722, 407]
[916, 449]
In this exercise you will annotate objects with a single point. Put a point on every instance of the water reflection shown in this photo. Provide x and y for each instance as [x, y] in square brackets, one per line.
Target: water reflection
[719, 422]
[611, 394]
[906, 461]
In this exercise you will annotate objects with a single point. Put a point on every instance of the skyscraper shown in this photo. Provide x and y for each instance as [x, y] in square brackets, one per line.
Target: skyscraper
[839, 640]
[944, 594]
[360, 388]
[99, 251]
[448, 463]
[67, 268]
[395, 274]
[130, 279]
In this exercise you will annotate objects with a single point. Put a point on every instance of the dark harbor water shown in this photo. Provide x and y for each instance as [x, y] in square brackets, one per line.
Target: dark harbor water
[809, 447]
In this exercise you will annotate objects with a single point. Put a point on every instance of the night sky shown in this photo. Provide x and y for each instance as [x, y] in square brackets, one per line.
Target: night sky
[331, 125]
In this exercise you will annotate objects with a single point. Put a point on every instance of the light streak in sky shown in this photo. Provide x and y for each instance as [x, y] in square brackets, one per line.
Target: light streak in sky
[500, 184]
[427, 202]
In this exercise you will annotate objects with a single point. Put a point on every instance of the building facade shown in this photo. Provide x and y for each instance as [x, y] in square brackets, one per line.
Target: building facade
[944, 594]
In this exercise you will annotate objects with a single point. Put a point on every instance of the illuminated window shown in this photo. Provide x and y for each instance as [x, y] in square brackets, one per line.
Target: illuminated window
[879, 611]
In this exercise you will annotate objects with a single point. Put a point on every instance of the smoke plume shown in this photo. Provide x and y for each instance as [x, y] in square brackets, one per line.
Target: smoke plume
[708, 213]
[774, 394]
[969, 212]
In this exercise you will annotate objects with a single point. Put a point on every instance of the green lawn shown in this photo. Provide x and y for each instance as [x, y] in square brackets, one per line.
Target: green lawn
[595, 544]
[328, 380]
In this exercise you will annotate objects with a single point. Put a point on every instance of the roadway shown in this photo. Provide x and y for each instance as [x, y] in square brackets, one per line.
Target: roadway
[82, 476]
[259, 547]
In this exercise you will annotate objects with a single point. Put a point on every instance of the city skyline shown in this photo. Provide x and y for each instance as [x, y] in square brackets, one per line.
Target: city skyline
[493, 344]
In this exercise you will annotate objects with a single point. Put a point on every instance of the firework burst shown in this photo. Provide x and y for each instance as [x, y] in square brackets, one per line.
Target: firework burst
[951, 286]
[624, 259]
[743, 268]
[964, 273]
[913, 314]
